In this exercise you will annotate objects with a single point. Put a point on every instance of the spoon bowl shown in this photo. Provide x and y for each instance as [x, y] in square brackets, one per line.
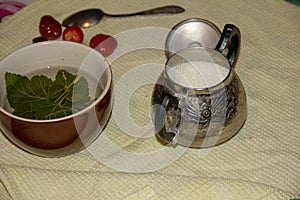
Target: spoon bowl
[84, 19]
[90, 17]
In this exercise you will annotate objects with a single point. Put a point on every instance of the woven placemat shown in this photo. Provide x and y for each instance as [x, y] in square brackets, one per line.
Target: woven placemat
[261, 162]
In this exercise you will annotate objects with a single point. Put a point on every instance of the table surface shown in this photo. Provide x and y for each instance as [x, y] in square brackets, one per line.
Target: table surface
[261, 162]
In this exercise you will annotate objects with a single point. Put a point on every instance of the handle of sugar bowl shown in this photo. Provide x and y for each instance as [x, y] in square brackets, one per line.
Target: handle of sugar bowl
[229, 43]
[167, 136]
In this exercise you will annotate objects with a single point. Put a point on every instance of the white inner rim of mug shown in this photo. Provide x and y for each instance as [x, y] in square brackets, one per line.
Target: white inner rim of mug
[105, 78]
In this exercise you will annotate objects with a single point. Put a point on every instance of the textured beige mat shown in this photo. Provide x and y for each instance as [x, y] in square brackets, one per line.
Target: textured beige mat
[261, 162]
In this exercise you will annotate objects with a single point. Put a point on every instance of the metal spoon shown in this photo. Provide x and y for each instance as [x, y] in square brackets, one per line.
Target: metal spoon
[90, 17]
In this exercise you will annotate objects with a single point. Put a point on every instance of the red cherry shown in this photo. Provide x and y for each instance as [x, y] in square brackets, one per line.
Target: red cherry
[39, 39]
[73, 34]
[105, 44]
[49, 27]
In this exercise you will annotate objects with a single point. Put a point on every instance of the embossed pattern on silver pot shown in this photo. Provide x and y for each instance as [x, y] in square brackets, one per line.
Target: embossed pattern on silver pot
[223, 109]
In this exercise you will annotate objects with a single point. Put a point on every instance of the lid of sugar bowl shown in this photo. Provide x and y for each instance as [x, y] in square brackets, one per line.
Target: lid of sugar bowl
[193, 32]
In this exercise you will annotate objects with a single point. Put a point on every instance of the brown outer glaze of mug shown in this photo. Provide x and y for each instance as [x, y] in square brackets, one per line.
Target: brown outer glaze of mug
[58, 137]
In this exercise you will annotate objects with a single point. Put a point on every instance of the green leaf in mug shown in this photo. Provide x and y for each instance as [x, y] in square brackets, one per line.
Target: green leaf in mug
[42, 98]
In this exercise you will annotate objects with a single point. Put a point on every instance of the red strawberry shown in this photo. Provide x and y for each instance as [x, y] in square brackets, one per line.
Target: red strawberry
[49, 27]
[105, 44]
[73, 34]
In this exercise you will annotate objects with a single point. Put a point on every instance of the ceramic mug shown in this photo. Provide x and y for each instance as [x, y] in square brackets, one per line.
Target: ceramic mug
[65, 135]
[199, 100]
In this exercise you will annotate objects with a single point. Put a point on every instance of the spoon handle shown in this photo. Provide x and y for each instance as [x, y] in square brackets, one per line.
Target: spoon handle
[159, 10]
